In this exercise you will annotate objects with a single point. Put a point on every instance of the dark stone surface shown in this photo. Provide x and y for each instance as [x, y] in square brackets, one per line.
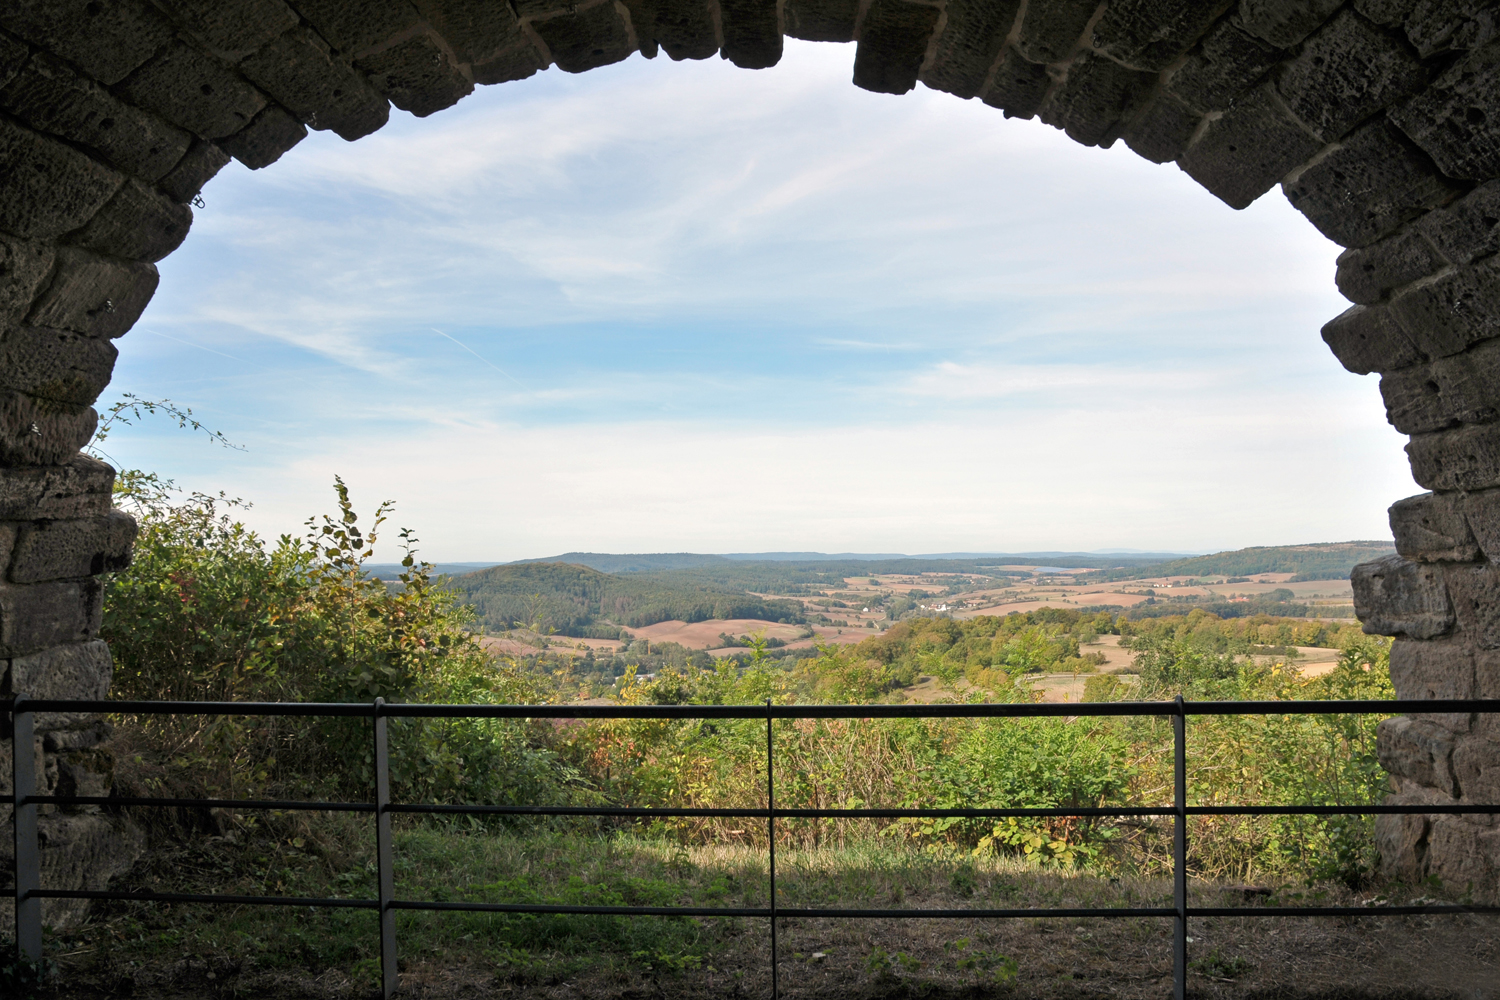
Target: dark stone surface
[61, 550]
[519, 61]
[971, 40]
[1414, 401]
[683, 28]
[1475, 592]
[1447, 313]
[1348, 70]
[194, 90]
[1163, 130]
[138, 223]
[92, 294]
[477, 32]
[752, 33]
[1470, 383]
[49, 188]
[892, 44]
[25, 267]
[298, 70]
[1368, 186]
[353, 27]
[1369, 274]
[1419, 750]
[1150, 34]
[50, 97]
[56, 365]
[1395, 596]
[1050, 31]
[41, 431]
[1456, 121]
[231, 30]
[1094, 98]
[1482, 508]
[820, 20]
[194, 170]
[77, 487]
[1466, 458]
[1468, 228]
[1391, 12]
[1227, 63]
[1019, 86]
[590, 38]
[1435, 26]
[105, 40]
[261, 143]
[418, 74]
[1284, 23]
[1368, 339]
[1432, 527]
[14, 54]
[1242, 155]
[39, 616]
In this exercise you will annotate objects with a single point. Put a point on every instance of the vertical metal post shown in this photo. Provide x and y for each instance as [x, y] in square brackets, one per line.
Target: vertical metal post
[1179, 851]
[771, 840]
[23, 816]
[383, 859]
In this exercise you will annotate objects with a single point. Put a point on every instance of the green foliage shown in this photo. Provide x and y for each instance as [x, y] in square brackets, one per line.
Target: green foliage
[1319, 561]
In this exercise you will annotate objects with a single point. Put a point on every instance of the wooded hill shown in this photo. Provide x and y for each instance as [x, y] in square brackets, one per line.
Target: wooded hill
[1319, 561]
[580, 601]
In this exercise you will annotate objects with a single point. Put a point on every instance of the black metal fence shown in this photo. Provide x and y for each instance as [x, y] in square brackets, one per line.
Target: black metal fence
[29, 891]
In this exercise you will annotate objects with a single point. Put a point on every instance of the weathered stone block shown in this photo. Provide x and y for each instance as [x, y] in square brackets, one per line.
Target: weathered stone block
[1418, 750]
[299, 71]
[92, 294]
[1434, 26]
[1368, 339]
[1402, 842]
[971, 40]
[38, 617]
[79, 670]
[1050, 31]
[1018, 87]
[1163, 130]
[50, 188]
[42, 431]
[1466, 458]
[83, 773]
[24, 268]
[419, 74]
[194, 90]
[231, 31]
[7, 543]
[193, 171]
[522, 60]
[55, 364]
[61, 550]
[1476, 770]
[594, 36]
[1483, 512]
[683, 28]
[1346, 72]
[261, 143]
[1284, 23]
[105, 40]
[1096, 95]
[139, 223]
[1454, 120]
[1414, 402]
[1367, 186]
[14, 54]
[1463, 853]
[1475, 592]
[1441, 670]
[1470, 382]
[1242, 154]
[1467, 229]
[1225, 65]
[81, 487]
[821, 20]
[476, 32]
[1149, 34]
[752, 33]
[1395, 596]
[892, 43]
[1369, 274]
[354, 27]
[1384, 11]
[50, 97]
[1446, 313]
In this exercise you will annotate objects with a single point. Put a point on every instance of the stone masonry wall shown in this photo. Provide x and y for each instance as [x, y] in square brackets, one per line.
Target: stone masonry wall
[1380, 119]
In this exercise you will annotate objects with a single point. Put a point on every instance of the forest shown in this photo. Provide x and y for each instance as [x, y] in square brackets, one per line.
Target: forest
[1324, 561]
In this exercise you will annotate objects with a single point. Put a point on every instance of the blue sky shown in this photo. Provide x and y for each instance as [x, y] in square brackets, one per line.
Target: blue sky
[684, 306]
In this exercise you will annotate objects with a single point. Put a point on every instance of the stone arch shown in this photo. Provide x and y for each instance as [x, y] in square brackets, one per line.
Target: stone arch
[1380, 119]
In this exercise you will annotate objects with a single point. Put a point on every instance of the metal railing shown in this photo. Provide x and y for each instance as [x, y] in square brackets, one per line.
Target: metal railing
[29, 892]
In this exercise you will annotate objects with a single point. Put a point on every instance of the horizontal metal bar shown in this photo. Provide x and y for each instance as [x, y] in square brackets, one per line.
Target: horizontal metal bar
[605, 911]
[190, 897]
[1371, 810]
[120, 801]
[1338, 911]
[976, 711]
[752, 813]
